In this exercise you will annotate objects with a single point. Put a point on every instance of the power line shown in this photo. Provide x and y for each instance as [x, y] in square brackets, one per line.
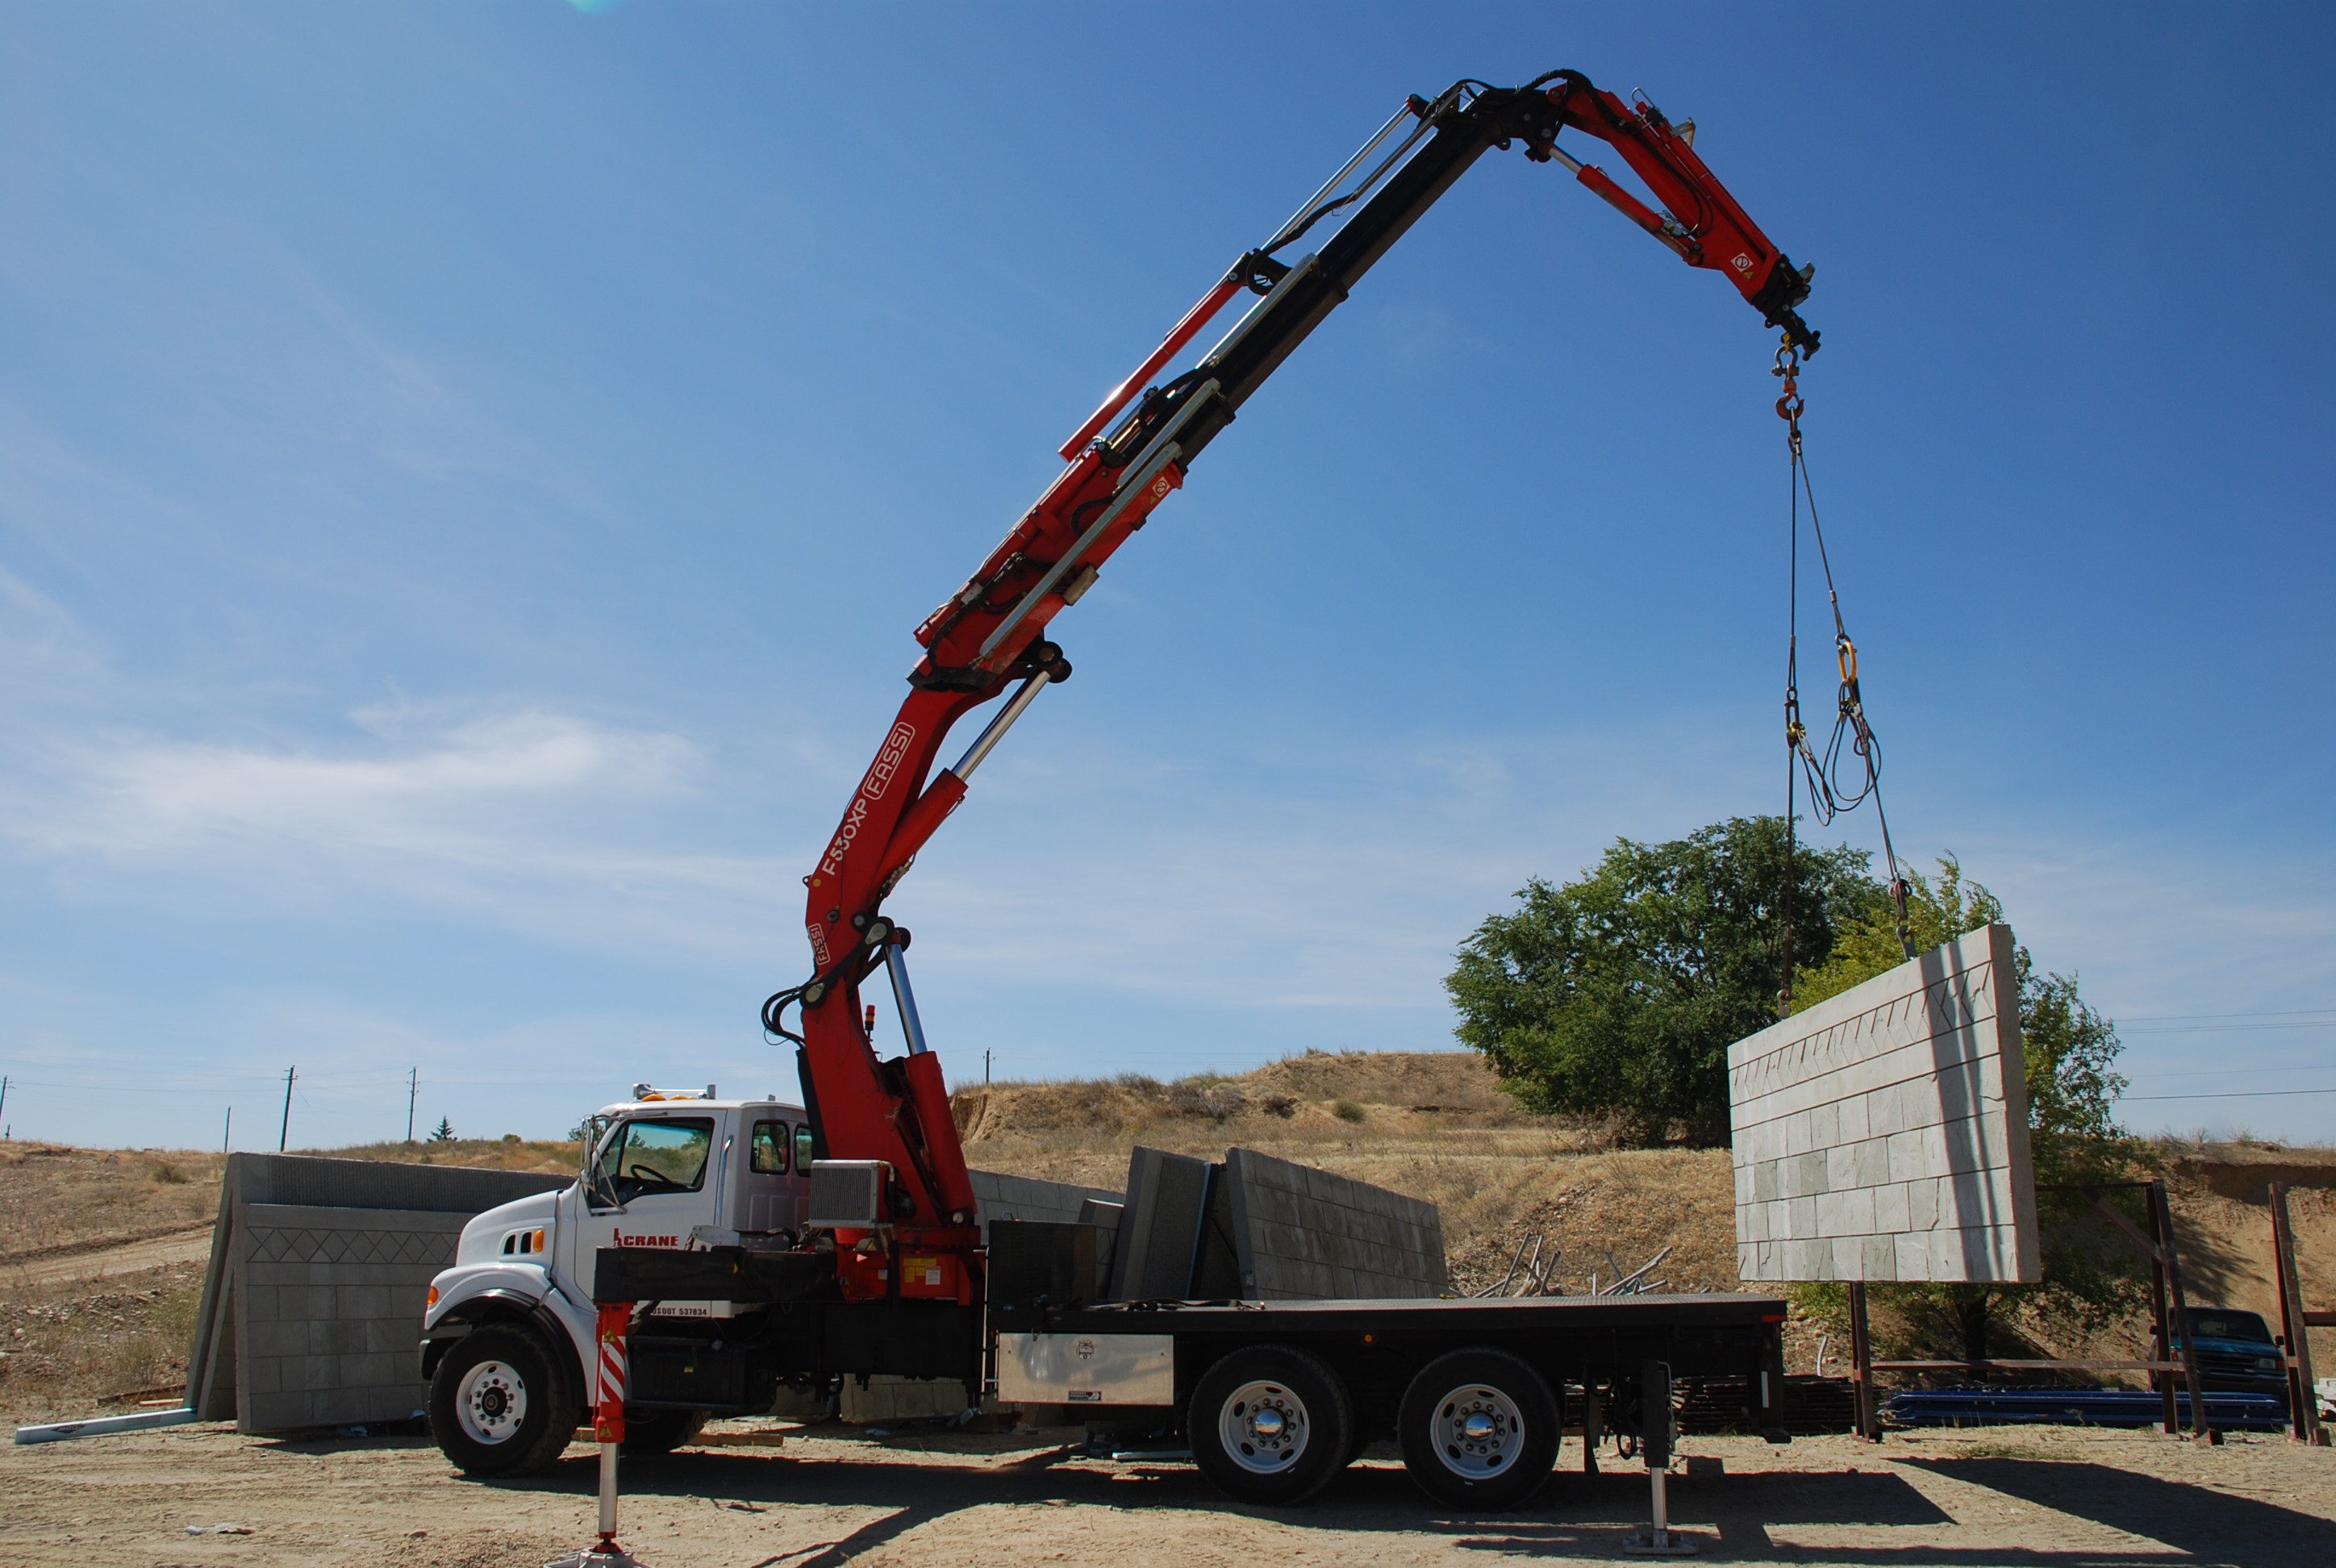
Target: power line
[2268, 1013]
[2235, 1094]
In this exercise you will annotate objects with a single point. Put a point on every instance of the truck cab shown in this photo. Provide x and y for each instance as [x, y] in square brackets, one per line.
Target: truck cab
[2236, 1350]
[507, 1336]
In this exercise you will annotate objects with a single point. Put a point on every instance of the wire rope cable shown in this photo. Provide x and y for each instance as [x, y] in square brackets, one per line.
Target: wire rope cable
[1830, 792]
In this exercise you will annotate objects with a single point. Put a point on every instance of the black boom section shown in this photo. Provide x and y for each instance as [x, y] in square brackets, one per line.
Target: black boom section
[1458, 142]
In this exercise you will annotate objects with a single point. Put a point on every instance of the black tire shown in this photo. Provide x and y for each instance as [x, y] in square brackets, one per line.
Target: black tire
[503, 1402]
[1269, 1424]
[660, 1431]
[1479, 1429]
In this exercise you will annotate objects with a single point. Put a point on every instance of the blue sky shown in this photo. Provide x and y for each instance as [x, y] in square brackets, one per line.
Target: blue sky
[468, 474]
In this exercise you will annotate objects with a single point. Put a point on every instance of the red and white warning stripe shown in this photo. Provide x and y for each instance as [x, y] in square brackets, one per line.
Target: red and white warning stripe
[608, 1416]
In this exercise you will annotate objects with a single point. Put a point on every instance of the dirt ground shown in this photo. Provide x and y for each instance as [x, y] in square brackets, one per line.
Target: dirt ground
[2012, 1496]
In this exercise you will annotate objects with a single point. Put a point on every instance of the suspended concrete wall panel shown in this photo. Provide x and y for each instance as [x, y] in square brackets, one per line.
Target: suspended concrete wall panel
[1882, 1134]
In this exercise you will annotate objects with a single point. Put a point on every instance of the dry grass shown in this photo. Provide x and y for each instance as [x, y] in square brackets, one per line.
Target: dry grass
[52, 1197]
[74, 1348]
[507, 1153]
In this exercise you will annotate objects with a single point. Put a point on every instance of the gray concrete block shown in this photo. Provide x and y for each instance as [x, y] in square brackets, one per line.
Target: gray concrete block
[371, 1370]
[273, 1412]
[337, 1336]
[393, 1335]
[1312, 1234]
[1160, 1229]
[279, 1339]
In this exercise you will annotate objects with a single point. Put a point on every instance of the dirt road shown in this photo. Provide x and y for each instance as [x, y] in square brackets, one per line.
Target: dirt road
[109, 1260]
[2021, 1497]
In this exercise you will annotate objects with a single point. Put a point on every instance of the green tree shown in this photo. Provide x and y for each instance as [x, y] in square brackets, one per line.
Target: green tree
[444, 1133]
[1618, 994]
[2089, 1279]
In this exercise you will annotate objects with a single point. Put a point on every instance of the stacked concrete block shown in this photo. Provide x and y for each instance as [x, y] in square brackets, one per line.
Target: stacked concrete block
[1304, 1235]
[1261, 1229]
[1882, 1134]
[1160, 1226]
[998, 1196]
[312, 1306]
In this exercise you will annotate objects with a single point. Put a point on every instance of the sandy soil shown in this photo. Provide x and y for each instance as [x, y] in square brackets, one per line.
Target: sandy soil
[2009, 1496]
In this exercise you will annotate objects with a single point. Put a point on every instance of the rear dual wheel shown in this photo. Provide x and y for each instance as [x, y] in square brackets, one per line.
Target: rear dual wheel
[1269, 1424]
[1479, 1429]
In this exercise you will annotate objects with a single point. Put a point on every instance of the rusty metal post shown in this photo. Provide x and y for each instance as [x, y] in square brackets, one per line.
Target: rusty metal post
[1861, 1373]
[2161, 1232]
[2198, 1422]
[2303, 1397]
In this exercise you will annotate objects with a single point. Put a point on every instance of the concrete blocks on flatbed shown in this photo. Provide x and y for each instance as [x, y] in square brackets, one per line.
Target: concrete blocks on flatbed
[312, 1306]
[1882, 1134]
[1305, 1235]
[998, 1196]
[1261, 1229]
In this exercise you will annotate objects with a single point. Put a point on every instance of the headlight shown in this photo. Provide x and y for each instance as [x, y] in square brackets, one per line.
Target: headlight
[2266, 1363]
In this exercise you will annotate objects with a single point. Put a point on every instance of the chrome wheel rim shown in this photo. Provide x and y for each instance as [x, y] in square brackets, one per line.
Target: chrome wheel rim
[492, 1402]
[1477, 1431]
[1263, 1427]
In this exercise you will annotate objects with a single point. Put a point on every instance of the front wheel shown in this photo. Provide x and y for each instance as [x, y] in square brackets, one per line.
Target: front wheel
[1269, 1425]
[1479, 1429]
[501, 1403]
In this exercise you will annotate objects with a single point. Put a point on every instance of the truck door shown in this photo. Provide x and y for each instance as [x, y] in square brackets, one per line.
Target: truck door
[648, 1189]
[767, 1202]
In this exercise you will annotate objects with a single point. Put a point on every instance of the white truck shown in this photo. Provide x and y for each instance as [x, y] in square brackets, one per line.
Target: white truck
[509, 1329]
[718, 1219]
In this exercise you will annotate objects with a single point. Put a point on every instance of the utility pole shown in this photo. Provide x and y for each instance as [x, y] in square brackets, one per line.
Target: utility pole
[4, 1091]
[228, 1131]
[985, 1069]
[286, 1131]
[412, 1084]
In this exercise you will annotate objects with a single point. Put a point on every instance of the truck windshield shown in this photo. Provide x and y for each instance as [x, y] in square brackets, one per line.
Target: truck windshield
[2215, 1323]
[666, 1155]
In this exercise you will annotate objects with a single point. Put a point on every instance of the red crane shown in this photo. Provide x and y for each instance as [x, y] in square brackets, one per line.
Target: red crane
[990, 635]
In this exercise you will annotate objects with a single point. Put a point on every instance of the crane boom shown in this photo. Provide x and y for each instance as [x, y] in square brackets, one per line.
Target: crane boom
[989, 636]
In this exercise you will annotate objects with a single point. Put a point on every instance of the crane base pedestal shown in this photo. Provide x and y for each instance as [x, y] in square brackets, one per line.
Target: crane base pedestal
[1656, 1538]
[1651, 1542]
[609, 1555]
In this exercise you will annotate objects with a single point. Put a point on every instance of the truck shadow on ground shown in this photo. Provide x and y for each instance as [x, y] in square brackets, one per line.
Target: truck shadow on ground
[1572, 1515]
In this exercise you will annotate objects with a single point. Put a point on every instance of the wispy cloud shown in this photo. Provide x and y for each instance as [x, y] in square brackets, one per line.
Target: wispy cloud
[547, 823]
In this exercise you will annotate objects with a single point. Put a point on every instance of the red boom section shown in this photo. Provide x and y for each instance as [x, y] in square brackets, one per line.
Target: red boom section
[991, 631]
[899, 1111]
[1709, 229]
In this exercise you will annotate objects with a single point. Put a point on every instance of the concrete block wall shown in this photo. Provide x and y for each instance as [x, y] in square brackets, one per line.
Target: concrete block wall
[1882, 1134]
[329, 1310]
[312, 1306]
[1305, 1235]
[999, 1196]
